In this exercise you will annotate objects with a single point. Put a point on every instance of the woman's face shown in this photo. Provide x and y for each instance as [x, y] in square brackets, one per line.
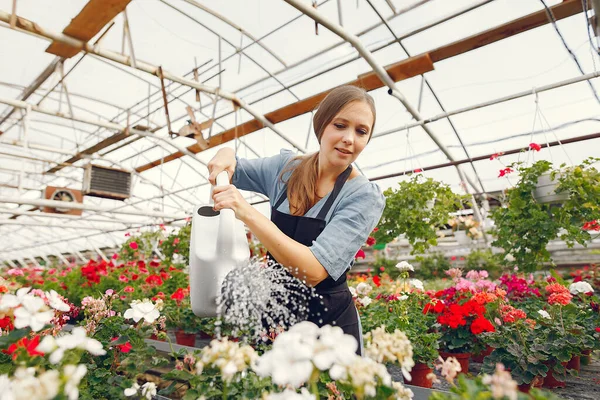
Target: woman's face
[345, 137]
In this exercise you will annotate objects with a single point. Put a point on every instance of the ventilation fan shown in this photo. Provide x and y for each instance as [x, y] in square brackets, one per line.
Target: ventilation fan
[65, 195]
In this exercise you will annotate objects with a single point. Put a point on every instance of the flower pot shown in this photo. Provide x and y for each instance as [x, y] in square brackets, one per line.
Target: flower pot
[551, 382]
[185, 339]
[204, 335]
[155, 337]
[462, 238]
[545, 191]
[462, 358]
[478, 358]
[526, 387]
[586, 357]
[574, 363]
[419, 376]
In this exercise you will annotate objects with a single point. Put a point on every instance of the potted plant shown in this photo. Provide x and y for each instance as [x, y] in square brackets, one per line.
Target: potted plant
[524, 226]
[515, 344]
[460, 321]
[407, 212]
[500, 385]
[181, 318]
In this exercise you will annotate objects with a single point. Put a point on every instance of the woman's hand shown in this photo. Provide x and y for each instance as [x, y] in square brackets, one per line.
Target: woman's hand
[224, 160]
[229, 197]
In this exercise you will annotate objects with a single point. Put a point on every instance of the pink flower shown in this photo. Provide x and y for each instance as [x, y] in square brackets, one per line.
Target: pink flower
[128, 289]
[133, 245]
[115, 256]
[496, 155]
[15, 272]
[175, 241]
[127, 234]
[109, 292]
[123, 278]
[535, 146]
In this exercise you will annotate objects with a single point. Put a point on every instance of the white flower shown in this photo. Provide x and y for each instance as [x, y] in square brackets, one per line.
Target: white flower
[352, 291]
[73, 373]
[334, 347]
[149, 390]
[6, 392]
[417, 284]
[544, 314]
[390, 347]
[363, 289]
[404, 266]
[363, 374]
[501, 384]
[402, 393]
[142, 309]
[49, 384]
[403, 297]
[30, 314]
[77, 339]
[289, 394]
[580, 287]
[132, 391]
[56, 302]
[365, 301]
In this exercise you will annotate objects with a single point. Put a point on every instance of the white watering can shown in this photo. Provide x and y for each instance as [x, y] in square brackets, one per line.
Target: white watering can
[218, 245]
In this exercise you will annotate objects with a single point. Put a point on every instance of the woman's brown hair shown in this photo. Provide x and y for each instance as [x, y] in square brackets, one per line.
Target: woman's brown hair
[302, 184]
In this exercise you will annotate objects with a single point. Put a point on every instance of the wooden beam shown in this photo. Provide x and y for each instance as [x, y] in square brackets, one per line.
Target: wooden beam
[562, 10]
[401, 70]
[413, 66]
[90, 20]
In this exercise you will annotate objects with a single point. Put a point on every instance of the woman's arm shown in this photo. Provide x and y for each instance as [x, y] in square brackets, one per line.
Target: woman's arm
[294, 256]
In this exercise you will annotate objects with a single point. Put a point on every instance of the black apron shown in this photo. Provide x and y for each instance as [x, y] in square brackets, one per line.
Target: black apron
[333, 304]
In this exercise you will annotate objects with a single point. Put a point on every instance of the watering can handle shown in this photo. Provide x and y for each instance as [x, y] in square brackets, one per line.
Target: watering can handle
[225, 236]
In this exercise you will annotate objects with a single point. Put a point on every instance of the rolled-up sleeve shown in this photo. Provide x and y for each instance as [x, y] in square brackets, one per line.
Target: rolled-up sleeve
[353, 220]
[260, 175]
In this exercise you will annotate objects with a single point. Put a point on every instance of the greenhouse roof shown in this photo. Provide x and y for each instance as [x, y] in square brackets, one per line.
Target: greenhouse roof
[115, 83]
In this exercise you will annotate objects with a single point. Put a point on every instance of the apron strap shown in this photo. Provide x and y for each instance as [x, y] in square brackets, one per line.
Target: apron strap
[337, 188]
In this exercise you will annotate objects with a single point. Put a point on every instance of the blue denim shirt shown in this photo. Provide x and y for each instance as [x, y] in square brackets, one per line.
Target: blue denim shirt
[352, 217]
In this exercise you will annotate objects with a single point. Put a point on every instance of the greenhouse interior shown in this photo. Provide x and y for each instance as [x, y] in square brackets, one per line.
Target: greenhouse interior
[324, 199]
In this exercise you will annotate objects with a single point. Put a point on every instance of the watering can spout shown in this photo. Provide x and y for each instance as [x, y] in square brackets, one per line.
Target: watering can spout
[218, 245]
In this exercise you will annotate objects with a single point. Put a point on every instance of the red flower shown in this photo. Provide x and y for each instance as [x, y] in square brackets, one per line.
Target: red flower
[371, 241]
[382, 268]
[496, 155]
[175, 241]
[598, 329]
[123, 348]
[115, 256]
[375, 229]
[591, 226]
[481, 325]
[560, 298]
[123, 278]
[154, 280]
[505, 171]
[417, 170]
[6, 324]
[134, 277]
[535, 146]
[178, 295]
[556, 288]
[164, 275]
[360, 254]
[128, 289]
[377, 280]
[133, 245]
[154, 263]
[27, 344]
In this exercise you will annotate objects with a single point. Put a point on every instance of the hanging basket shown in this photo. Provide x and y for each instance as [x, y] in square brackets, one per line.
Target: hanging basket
[545, 191]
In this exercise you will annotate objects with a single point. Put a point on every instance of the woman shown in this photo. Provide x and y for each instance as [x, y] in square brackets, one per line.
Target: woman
[322, 209]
